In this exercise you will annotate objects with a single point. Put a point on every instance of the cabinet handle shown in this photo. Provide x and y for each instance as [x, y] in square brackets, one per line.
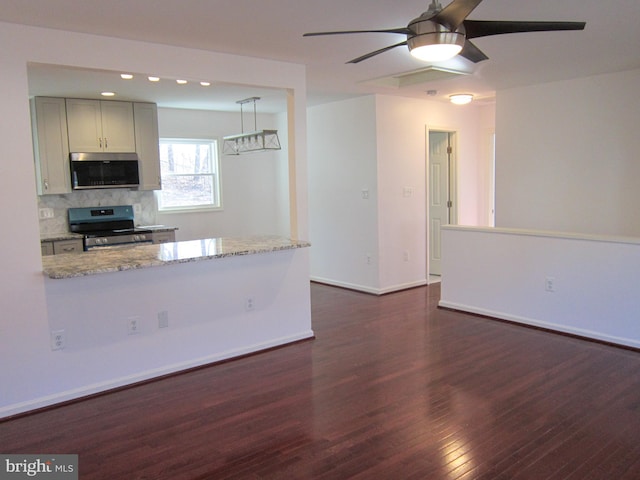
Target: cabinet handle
[106, 145]
[46, 185]
[100, 141]
[68, 249]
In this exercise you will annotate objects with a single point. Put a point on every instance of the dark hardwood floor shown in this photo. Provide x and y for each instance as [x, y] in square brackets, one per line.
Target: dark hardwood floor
[391, 388]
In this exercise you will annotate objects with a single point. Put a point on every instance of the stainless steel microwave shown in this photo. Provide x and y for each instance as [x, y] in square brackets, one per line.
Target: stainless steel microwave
[104, 170]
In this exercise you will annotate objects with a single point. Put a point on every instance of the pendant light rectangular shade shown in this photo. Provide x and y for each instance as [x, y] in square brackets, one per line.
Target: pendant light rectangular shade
[261, 141]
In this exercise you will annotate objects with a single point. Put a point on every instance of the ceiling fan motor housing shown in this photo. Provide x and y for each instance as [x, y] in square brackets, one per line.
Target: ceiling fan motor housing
[428, 32]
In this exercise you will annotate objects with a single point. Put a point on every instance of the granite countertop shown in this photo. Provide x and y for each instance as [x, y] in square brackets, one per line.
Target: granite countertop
[157, 228]
[54, 237]
[115, 259]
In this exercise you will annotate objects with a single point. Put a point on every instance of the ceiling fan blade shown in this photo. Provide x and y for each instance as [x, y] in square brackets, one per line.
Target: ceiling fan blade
[473, 53]
[455, 13]
[485, 28]
[403, 30]
[373, 54]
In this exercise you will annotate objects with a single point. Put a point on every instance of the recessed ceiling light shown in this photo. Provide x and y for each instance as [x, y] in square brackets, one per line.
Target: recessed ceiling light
[107, 94]
[126, 76]
[205, 84]
[181, 82]
[154, 79]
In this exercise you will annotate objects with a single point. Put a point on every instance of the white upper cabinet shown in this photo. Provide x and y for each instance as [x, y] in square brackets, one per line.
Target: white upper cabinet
[68, 125]
[147, 145]
[50, 145]
[100, 126]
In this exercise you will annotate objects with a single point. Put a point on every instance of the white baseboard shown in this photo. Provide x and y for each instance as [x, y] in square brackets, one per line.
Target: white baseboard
[350, 286]
[403, 286]
[368, 289]
[104, 386]
[628, 342]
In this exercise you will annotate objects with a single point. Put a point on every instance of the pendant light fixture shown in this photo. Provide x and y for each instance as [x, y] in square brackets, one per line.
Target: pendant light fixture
[256, 141]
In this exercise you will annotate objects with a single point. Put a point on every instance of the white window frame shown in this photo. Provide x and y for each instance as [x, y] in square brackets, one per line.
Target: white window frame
[216, 203]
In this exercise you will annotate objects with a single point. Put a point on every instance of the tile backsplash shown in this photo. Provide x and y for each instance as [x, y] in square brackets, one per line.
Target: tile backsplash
[94, 198]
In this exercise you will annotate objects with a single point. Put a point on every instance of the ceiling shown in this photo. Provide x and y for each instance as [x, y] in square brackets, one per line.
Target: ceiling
[273, 29]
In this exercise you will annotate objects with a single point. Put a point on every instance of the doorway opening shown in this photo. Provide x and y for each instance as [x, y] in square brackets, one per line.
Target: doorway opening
[441, 194]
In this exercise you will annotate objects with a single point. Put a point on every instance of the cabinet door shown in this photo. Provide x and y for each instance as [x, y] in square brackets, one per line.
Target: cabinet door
[51, 147]
[147, 144]
[117, 127]
[46, 248]
[84, 121]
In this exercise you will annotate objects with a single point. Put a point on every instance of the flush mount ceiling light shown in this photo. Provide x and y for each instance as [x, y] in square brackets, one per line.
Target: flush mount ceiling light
[108, 94]
[256, 141]
[154, 79]
[126, 76]
[461, 98]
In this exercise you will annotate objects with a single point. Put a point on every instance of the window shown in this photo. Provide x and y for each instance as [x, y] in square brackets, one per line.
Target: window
[190, 178]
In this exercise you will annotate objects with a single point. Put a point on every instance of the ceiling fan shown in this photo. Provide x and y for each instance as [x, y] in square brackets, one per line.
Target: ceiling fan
[442, 33]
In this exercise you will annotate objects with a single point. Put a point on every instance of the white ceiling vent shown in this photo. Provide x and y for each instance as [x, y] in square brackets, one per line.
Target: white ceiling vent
[415, 77]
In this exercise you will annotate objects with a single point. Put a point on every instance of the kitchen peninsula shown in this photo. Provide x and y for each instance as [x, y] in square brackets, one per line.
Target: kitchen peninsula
[136, 313]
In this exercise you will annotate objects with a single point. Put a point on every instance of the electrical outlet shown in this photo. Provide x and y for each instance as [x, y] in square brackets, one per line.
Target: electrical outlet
[163, 319]
[249, 304]
[365, 194]
[58, 340]
[406, 255]
[46, 213]
[133, 325]
[550, 284]
[137, 208]
[368, 258]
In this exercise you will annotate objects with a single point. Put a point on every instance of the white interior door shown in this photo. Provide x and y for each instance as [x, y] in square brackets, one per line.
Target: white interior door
[439, 194]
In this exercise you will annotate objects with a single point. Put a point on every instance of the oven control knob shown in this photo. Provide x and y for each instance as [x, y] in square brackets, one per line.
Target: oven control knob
[136, 238]
[98, 241]
[104, 241]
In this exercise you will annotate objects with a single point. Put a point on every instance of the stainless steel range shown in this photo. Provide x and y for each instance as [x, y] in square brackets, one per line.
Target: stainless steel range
[107, 226]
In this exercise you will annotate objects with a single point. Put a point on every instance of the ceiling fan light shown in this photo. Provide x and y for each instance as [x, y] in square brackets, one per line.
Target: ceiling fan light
[436, 46]
[436, 53]
[461, 98]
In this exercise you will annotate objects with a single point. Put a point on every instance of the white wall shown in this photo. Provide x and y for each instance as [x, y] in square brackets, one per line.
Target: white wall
[402, 139]
[208, 322]
[566, 161]
[379, 143]
[25, 353]
[252, 187]
[343, 227]
[502, 273]
[567, 155]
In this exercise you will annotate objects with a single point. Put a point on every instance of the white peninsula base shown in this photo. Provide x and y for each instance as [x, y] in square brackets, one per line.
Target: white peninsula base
[127, 326]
